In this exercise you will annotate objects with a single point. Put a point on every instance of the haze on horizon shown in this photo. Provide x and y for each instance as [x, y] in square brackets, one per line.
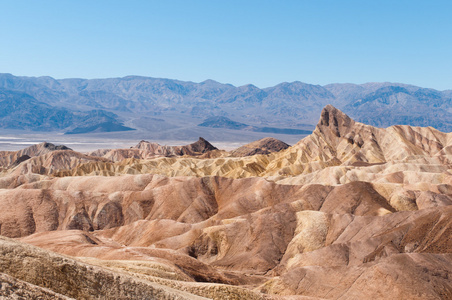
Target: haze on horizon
[258, 42]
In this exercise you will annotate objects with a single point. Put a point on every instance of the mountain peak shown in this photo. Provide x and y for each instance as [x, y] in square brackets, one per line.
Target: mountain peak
[335, 120]
[202, 146]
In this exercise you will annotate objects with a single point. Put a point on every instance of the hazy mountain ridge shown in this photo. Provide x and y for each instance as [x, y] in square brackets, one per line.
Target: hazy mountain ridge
[19, 110]
[286, 105]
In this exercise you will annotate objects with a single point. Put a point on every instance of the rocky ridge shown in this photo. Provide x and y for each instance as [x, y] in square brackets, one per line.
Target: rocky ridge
[146, 150]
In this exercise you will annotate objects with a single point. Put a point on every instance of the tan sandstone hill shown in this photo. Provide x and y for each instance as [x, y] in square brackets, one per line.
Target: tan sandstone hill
[9, 159]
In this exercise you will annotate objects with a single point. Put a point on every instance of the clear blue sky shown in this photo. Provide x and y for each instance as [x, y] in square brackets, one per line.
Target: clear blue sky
[238, 42]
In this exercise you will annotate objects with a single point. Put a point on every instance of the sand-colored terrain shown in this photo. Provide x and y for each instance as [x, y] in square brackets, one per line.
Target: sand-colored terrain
[349, 212]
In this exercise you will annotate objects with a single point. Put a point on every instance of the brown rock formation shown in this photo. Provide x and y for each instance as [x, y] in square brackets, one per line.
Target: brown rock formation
[9, 159]
[51, 162]
[147, 150]
[262, 146]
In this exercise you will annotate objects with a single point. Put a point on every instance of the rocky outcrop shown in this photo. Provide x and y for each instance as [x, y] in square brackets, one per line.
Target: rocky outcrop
[262, 146]
[148, 150]
[11, 288]
[197, 148]
[72, 278]
[51, 162]
[9, 159]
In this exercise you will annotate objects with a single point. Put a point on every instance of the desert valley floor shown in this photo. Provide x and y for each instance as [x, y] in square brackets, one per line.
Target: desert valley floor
[349, 212]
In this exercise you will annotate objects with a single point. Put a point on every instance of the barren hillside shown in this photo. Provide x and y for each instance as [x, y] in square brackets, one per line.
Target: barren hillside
[349, 212]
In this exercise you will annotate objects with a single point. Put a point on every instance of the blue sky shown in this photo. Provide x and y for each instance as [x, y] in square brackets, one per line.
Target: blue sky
[237, 42]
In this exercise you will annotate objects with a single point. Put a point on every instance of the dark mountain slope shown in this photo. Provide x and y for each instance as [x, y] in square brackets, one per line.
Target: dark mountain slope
[22, 111]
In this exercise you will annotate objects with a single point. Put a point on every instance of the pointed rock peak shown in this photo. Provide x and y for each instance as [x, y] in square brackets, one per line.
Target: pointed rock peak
[272, 144]
[335, 120]
[144, 145]
[202, 145]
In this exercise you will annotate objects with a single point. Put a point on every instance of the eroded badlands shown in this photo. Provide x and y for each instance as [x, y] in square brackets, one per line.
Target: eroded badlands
[349, 212]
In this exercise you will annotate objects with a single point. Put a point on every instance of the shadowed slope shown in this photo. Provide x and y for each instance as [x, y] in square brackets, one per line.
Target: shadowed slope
[262, 146]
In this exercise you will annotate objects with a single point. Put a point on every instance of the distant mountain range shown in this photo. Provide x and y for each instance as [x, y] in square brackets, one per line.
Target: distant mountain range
[164, 105]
